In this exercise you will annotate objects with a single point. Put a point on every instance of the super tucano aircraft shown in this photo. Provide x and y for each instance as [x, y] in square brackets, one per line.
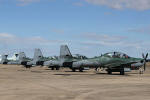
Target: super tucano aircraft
[5, 59]
[22, 60]
[64, 60]
[111, 62]
[38, 59]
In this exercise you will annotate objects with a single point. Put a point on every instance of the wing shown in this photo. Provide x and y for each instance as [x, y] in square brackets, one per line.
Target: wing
[118, 64]
[52, 63]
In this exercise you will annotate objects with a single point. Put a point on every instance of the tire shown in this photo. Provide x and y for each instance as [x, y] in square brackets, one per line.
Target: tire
[122, 72]
[109, 72]
[73, 70]
[27, 66]
[52, 68]
[57, 68]
[80, 69]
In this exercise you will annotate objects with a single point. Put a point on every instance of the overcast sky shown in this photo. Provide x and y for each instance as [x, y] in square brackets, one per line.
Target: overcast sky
[88, 27]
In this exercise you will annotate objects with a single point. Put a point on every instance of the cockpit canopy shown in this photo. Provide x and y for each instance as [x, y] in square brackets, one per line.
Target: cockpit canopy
[78, 56]
[116, 55]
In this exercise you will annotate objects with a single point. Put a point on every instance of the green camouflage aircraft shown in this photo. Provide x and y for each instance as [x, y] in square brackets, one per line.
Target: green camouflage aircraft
[111, 62]
[120, 62]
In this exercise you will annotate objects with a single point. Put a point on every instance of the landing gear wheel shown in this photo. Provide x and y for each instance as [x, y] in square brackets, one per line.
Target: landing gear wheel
[109, 72]
[122, 72]
[73, 70]
[57, 68]
[28, 66]
[81, 69]
[141, 71]
[52, 68]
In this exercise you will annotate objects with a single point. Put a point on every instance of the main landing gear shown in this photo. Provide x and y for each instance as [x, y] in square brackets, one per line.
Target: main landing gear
[53, 68]
[109, 71]
[80, 69]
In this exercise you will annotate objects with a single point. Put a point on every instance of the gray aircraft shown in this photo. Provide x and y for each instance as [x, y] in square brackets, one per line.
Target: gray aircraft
[64, 60]
[59, 61]
[22, 60]
[4, 59]
[38, 59]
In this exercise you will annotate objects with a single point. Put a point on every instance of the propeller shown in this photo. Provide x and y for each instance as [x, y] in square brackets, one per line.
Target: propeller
[145, 60]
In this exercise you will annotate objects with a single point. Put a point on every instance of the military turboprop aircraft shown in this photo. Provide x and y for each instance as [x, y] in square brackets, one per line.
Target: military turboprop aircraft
[38, 59]
[4, 59]
[64, 60]
[120, 62]
[111, 62]
[22, 60]
[13, 58]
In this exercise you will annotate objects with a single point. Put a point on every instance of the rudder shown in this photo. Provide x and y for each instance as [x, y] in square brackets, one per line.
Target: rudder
[22, 56]
[37, 54]
[64, 51]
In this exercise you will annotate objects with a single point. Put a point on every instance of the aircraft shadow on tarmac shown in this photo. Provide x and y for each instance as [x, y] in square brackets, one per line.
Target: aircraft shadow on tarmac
[69, 73]
[92, 74]
[47, 69]
[37, 71]
[112, 74]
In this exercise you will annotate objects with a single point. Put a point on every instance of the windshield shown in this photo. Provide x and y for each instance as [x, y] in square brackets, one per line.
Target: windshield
[78, 56]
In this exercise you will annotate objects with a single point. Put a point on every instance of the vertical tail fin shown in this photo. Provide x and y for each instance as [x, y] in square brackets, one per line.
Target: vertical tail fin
[37, 54]
[22, 56]
[64, 51]
[4, 59]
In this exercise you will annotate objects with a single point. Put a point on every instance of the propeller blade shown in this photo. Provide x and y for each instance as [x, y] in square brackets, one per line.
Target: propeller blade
[145, 60]
[146, 56]
[143, 55]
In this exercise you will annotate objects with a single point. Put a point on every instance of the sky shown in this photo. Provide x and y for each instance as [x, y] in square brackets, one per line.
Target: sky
[88, 27]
